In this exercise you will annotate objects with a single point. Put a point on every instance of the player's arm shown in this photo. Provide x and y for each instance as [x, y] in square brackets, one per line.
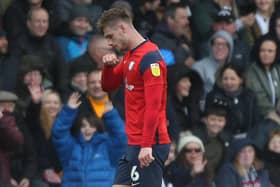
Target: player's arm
[154, 85]
[112, 73]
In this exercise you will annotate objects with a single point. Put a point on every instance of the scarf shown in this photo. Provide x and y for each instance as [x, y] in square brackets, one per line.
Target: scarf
[250, 179]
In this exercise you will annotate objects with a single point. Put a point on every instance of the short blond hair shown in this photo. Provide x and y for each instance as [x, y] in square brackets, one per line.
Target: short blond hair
[113, 15]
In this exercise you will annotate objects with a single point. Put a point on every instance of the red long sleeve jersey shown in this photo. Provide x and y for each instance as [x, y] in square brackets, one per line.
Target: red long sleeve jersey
[143, 71]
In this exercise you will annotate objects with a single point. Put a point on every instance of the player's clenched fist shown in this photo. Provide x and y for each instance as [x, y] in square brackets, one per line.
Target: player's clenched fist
[110, 59]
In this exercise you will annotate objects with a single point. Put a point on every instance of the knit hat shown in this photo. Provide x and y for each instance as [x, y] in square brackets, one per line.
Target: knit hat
[78, 66]
[30, 63]
[7, 96]
[225, 15]
[78, 11]
[189, 138]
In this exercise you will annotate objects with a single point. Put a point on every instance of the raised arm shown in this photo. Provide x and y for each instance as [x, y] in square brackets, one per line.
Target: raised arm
[61, 134]
[112, 74]
[115, 128]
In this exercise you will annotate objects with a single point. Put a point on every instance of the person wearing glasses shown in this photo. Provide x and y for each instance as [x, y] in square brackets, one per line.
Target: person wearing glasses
[221, 49]
[189, 167]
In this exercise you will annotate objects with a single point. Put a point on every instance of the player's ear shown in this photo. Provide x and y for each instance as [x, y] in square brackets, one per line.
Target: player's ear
[122, 27]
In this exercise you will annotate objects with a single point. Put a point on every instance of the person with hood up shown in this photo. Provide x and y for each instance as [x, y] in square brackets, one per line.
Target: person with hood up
[244, 169]
[186, 90]
[74, 41]
[221, 45]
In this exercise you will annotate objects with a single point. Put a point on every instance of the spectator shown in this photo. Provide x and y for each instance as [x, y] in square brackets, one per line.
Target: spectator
[214, 136]
[242, 102]
[10, 136]
[41, 114]
[186, 90]
[97, 48]
[78, 71]
[145, 17]
[221, 49]
[63, 12]
[271, 156]
[189, 168]
[14, 20]
[96, 96]
[95, 151]
[31, 74]
[244, 169]
[37, 42]
[75, 40]
[261, 133]
[225, 20]
[204, 13]
[263, 14]
[22, 159]
[263, 75]
[169, 35]
[8, 65]
[274, 25]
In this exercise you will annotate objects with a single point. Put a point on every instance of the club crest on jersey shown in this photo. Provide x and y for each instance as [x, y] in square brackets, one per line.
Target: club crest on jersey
[130, 66]
[155, 69]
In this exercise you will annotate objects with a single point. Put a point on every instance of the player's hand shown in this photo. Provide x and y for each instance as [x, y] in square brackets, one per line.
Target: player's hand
[74, 100]
[145, 156]
[110, 59]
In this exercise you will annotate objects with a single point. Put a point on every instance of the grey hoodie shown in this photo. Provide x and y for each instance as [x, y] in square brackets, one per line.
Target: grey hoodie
[208, 66]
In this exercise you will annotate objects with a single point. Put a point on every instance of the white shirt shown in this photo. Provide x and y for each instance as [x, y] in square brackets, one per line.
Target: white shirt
[263, 23]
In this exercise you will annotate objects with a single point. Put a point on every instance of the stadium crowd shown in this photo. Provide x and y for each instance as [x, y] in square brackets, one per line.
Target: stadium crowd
[223, 102]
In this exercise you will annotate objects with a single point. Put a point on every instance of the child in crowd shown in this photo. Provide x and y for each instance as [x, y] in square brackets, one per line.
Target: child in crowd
[90, 158]
[215, 139]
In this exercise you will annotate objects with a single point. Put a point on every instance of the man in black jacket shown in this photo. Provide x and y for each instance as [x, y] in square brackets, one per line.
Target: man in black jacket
[38, 42]
[8, 65]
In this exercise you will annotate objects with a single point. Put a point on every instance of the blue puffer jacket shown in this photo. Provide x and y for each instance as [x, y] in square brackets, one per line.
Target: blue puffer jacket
[73, 46]
[88, 163]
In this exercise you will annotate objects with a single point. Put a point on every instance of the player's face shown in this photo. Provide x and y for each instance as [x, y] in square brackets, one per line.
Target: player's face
[116, 37]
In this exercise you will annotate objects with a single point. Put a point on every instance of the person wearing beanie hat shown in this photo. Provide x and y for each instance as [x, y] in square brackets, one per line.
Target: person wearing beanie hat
[32, 76]
[185, 140]
[74, 42]
[77, 74]
[189, 167]
[244, 168]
